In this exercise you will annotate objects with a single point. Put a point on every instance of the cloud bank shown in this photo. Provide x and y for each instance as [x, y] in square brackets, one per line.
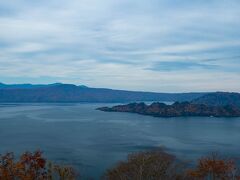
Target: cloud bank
[151, 45]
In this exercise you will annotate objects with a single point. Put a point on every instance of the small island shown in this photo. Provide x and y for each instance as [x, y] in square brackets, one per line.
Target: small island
[178, 109]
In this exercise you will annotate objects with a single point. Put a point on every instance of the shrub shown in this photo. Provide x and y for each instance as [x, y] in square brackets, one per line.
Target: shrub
[149, 165]
[32, 166]
[214, 167]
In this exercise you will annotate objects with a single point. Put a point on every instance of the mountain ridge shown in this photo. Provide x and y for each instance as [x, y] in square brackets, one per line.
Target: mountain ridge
[29, 85]
[59, 92]
[219, 99]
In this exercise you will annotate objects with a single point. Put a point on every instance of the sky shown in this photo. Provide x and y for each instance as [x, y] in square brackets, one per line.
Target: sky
[147, 45]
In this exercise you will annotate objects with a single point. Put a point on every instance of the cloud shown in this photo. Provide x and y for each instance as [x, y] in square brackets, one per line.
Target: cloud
[138, 45]
[180, 66]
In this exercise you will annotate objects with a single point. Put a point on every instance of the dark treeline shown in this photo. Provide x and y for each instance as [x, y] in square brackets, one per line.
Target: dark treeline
[149, 165]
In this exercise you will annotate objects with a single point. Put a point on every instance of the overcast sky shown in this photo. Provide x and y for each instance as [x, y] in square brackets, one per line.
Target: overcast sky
[150, 45]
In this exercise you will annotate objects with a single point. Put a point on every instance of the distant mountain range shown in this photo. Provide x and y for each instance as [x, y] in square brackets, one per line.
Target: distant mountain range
[30, 86]
[58, 92]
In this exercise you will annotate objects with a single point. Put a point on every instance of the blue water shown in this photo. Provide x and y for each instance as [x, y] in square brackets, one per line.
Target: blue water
[93, 141]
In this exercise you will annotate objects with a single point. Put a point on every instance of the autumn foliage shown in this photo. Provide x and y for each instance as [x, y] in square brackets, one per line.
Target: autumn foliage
[148, 165]
[159, 165]
[32, 166]
[214, 167]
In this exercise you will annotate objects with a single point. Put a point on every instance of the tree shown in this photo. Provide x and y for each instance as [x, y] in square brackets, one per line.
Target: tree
[214, 167]
[151, 165]
[32, 166]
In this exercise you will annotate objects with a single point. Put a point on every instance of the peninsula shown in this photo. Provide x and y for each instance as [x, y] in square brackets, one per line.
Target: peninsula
[177, 109]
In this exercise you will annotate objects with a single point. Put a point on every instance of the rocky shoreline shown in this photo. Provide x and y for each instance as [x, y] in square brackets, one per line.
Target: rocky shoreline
[183, 109]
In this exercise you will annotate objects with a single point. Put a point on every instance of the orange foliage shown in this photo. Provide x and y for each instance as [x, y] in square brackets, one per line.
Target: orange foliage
[214, 167]
[148, 165]
[159, 165]
[31, 166]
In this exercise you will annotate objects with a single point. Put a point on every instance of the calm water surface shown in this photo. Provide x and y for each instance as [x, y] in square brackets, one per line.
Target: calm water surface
[92, 140]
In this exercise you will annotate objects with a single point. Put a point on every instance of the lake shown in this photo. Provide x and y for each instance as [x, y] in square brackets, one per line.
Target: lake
[93, 141]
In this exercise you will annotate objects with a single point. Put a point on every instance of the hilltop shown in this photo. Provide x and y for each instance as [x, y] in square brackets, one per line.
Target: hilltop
[219, 99]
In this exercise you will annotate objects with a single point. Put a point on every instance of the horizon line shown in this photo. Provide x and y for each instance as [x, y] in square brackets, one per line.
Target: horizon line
[79, 85]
